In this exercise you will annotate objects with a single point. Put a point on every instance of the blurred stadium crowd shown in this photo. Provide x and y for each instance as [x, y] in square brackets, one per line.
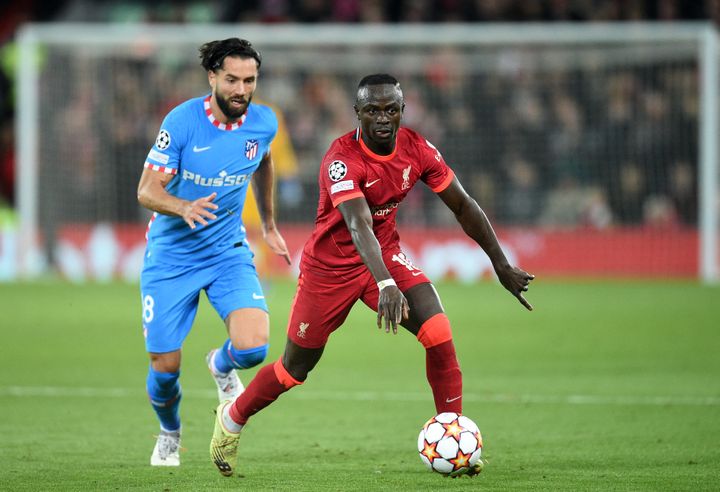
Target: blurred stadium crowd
[269, 11]
[535, 146]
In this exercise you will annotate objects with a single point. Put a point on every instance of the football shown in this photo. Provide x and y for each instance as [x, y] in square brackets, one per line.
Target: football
[450, 444]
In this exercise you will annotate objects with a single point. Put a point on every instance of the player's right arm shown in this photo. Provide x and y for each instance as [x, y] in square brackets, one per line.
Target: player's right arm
[392, 304]
[162, 165]
[152, 195]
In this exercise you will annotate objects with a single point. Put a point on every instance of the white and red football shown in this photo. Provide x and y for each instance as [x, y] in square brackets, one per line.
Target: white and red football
[450, 444]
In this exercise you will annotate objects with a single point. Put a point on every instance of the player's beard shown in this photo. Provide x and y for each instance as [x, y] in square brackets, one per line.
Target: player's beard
[229, 111]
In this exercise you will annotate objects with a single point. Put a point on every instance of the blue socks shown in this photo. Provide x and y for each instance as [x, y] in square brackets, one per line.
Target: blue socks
[228, 357]
[164, 392]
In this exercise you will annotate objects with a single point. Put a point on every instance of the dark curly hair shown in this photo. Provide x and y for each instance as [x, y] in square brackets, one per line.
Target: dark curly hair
[212, 54]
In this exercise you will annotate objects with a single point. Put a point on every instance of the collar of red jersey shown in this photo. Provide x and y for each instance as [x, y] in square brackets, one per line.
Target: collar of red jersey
[358, 137]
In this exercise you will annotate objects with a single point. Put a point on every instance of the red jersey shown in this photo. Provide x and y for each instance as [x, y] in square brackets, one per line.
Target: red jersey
[350, 170]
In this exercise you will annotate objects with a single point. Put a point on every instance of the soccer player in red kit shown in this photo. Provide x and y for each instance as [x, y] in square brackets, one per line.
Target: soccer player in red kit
[354, 254]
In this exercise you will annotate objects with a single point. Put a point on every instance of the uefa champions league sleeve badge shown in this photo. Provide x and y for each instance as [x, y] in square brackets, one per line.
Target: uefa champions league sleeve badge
[162, 141]
[337, 170]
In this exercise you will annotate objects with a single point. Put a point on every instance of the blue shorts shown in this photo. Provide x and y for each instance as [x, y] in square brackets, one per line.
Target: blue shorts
[170, 295]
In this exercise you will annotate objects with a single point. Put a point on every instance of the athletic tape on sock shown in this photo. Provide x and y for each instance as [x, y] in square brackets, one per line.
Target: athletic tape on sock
[435, 331]
[284, 376]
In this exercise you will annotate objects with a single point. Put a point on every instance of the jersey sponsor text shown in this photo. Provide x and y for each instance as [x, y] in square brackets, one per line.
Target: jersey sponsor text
[385, 209]
[223, 180]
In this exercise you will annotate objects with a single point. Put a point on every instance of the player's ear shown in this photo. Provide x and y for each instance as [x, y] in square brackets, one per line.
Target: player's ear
[211, 78]
[357, 111]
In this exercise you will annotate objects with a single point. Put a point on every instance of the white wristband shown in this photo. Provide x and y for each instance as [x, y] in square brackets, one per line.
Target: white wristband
[385, 283]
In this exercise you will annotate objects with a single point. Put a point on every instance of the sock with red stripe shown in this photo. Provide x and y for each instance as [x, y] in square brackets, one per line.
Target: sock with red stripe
[163, 389]
[269, 383]
[228, 357]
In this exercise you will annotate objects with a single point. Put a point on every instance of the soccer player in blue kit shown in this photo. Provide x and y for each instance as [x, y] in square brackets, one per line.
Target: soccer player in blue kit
[209, 149]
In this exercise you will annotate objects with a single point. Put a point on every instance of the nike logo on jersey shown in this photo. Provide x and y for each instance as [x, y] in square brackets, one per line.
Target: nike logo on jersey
[200, 149]
[450, 400]
[256, 297]
[370, 183]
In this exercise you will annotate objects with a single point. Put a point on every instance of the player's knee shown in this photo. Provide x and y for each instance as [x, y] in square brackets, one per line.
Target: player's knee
[299, 361]
[299, 372]
[167, 362]
[435, 331]
[245, 358]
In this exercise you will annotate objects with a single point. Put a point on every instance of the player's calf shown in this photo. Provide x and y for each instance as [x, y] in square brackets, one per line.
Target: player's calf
[163, 389]
[228, 357]
[224, 361]
[441, 364]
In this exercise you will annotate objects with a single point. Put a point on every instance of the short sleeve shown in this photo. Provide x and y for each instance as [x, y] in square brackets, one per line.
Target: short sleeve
[165, 154]
[436, 173]
[271, 123]
[341, 177]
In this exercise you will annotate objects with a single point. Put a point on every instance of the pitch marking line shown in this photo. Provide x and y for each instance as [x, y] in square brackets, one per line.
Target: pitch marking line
[314, 395]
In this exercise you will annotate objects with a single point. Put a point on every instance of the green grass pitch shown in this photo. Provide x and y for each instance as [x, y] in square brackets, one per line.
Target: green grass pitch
[605, 386]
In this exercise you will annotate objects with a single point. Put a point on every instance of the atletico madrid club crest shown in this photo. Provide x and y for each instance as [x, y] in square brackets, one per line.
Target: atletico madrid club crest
[337, 170]
[251, 148]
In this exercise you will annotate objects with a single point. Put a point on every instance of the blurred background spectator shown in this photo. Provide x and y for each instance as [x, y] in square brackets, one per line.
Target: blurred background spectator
[535, 146]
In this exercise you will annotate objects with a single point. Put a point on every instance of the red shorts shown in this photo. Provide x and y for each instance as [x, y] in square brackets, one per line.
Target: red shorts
[324, 297]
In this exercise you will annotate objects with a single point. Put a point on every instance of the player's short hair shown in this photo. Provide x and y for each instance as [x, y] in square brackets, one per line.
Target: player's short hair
[213, 54]
[378, 79]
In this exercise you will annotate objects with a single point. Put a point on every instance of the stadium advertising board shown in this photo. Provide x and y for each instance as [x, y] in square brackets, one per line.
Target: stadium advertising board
[105, 252]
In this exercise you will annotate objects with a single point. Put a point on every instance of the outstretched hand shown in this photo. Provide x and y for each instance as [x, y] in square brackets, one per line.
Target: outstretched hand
[392, 306]
[277, 244]
[516, 281]
[199, 210]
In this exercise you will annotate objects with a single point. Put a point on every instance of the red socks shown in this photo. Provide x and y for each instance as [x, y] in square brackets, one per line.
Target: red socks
[441, 364]
[268, 384]
[444, 376]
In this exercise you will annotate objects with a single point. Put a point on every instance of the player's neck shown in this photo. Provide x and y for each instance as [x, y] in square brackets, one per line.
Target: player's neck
[382, 150]
[219, 115]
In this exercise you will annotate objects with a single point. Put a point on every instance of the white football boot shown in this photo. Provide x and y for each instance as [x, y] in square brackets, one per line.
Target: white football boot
[167, 449]
[229, 385]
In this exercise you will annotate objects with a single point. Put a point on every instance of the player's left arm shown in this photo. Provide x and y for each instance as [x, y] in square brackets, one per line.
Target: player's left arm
[263, 183]
[477, 226]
